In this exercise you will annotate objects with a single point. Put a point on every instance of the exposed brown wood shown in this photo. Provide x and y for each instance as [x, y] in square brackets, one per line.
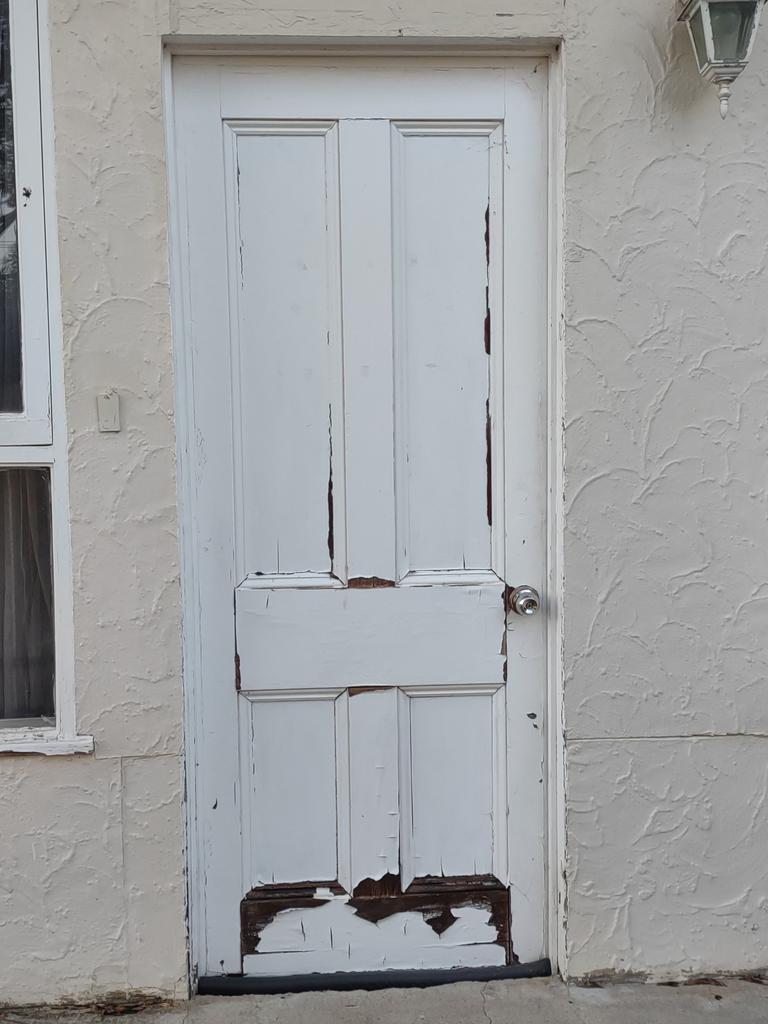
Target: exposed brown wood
[369, 583]
[375, 899]
[440, 921]
[487, 324]
[237, 671]
[435, 899]
[353, 691]
[255, 915]
[281, 889]
[331, 541]
[377, 888]
[262, 905]
[488, 235]
[503, 650]
[455, 883]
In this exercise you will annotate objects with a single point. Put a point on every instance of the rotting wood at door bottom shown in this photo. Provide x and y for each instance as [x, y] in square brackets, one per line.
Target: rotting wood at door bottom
[435, 899]
[261, 906]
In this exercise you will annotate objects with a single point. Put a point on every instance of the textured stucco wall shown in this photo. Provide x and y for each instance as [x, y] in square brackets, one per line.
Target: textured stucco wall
[665, 393]
[91, 865]
[666, 542]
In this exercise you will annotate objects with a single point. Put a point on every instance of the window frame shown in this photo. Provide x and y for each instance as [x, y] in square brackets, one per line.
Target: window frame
[32, 425]
[38, 437]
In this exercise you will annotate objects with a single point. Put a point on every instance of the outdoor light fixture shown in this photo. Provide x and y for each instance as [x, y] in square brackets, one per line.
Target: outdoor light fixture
[723, 33]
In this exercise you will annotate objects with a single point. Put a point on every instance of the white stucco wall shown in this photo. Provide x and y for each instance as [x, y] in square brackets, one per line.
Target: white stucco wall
[665, 554]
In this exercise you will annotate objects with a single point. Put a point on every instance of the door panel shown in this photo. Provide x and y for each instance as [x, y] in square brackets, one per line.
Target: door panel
[289, 789]
[442, 184]
[286, 288]
[453, 797]
[363, 279]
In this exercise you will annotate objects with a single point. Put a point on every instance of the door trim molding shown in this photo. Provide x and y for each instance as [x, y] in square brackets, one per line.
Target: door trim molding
[478, 47]
[554, 842]
[556, 763]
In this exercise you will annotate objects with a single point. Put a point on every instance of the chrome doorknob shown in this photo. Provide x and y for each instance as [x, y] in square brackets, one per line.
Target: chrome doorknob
[523, 601]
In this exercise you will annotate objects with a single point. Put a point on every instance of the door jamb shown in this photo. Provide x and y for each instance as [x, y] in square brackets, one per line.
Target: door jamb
[555, 805]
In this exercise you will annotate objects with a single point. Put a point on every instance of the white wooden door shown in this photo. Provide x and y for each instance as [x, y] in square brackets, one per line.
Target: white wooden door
[362, 286]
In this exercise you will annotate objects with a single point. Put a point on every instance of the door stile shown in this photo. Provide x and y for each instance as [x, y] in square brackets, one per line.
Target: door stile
[205, 257]
[525, 427]
[375, 793]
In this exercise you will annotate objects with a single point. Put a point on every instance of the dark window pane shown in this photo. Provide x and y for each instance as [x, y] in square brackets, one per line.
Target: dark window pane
[10, 302]
[26, 595]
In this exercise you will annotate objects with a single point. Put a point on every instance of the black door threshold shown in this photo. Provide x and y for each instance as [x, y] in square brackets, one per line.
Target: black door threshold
[368, 981]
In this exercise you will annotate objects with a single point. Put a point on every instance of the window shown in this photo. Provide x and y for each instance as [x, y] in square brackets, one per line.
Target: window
[26, 597]
[25, 406]
[11, 391]
[36, 679]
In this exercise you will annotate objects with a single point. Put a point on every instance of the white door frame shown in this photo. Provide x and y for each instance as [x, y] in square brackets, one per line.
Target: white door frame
[554, 769]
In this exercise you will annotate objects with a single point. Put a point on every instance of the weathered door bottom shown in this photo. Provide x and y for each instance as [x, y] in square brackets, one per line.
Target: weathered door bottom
[379, 924]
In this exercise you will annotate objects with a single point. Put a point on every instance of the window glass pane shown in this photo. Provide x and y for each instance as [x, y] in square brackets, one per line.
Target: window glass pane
[26, 595]
[10, 300]
[731, 28]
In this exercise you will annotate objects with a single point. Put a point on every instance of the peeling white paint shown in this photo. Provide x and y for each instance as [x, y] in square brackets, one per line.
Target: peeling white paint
[333, 938]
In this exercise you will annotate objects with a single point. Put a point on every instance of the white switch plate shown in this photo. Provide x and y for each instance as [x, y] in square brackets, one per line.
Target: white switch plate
[108, 412]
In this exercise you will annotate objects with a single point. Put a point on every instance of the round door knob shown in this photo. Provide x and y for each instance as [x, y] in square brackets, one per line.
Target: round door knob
[524, 601]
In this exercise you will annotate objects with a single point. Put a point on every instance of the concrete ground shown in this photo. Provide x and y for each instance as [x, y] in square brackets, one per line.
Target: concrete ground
[543, 1001]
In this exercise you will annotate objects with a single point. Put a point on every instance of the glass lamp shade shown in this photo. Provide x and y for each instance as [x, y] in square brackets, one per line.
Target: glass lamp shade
[722, 33]
[732, 23]
[698, 38]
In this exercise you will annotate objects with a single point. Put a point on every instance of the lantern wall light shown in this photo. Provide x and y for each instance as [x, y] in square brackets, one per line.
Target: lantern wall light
[723, 33]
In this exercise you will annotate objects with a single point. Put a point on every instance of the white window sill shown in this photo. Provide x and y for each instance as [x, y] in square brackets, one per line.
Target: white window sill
[46, 745]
